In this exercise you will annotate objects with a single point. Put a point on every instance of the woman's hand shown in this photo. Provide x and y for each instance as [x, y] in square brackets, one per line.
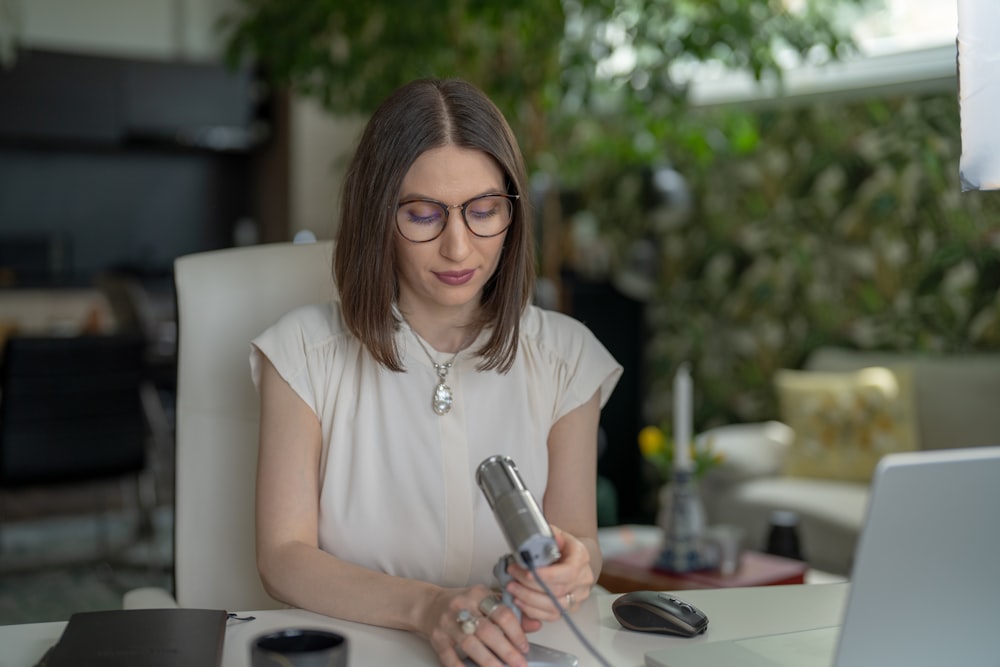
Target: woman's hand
[473, 622]
[570, 580]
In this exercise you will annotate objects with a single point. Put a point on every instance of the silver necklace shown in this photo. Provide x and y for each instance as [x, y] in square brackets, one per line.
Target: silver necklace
[443, 398]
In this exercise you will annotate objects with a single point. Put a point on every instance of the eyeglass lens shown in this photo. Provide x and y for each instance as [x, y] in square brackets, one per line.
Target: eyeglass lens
[424, 220]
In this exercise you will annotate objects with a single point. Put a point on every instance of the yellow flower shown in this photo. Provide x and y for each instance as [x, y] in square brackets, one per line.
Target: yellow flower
[658, 450]
[651, 441]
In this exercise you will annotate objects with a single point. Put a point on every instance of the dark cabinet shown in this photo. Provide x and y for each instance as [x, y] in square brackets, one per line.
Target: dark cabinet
[49, 97]
[125, 162]
[54, 98]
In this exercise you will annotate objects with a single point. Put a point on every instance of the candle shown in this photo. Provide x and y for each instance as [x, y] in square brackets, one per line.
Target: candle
[682, 418]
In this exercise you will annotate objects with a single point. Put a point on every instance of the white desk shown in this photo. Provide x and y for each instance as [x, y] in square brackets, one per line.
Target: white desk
[732, 613]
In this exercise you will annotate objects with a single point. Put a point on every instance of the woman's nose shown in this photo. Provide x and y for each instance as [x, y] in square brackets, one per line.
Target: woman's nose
[456, 239]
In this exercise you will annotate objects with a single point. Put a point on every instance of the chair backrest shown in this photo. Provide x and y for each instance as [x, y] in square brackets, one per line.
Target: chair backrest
[71, 409]
[224, 299]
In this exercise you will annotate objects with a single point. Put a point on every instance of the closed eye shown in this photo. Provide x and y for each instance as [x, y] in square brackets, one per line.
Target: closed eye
[422, 213]
[487, 207]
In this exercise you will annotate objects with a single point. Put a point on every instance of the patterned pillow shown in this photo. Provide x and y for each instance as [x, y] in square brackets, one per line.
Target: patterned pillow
[845, 422]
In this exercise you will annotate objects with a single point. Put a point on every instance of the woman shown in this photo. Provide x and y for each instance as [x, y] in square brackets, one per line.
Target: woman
[377, 409]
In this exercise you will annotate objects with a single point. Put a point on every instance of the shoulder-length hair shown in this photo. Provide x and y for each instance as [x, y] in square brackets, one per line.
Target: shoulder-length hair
[425, 114]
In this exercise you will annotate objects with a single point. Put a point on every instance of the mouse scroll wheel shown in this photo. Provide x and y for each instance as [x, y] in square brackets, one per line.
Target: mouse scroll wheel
[686, 606]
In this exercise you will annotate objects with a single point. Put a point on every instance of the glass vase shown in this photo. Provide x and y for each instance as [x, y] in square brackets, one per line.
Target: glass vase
[682, 517]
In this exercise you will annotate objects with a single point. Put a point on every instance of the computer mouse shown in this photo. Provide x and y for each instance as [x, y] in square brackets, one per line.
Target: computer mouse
[652, 611]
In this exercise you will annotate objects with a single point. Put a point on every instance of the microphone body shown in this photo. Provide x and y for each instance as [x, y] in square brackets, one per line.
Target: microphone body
[517, 513]
[529, 537]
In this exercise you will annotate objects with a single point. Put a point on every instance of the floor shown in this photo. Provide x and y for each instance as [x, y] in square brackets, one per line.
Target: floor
[80, 547]
[52, 567]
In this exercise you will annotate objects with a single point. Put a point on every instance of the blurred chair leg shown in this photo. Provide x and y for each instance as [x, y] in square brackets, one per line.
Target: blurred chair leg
[103, 534]
[160, 443]
[3, 514]
[159, 424]
[145, 495]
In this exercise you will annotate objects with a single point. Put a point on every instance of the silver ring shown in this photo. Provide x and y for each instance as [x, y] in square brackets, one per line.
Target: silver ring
[569, 599]
[489, 605]
[467, 622]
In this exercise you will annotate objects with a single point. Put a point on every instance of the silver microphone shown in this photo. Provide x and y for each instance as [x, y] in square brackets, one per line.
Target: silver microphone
[521, 520]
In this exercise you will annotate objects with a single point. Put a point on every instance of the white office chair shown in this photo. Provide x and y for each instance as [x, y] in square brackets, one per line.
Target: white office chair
[224, 299]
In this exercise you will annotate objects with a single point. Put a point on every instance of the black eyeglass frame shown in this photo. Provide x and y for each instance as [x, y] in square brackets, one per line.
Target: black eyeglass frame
[463, 206]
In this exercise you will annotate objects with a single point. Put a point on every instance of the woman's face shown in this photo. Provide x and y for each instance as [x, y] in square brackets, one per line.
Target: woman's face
[451, 270]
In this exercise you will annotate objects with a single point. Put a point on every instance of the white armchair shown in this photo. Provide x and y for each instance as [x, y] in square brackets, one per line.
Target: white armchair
[953, 404]
[750, 485]
[224, 299]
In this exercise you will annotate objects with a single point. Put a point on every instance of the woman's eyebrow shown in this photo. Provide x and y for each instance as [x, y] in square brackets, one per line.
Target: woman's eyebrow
[417, 195]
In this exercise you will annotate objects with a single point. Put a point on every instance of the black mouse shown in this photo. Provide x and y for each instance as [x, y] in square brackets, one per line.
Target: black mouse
[650, 611]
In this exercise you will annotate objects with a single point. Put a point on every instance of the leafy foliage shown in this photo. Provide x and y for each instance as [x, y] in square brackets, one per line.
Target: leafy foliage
[351, 55]
[845, 224]
[829, 224]
[547, 63]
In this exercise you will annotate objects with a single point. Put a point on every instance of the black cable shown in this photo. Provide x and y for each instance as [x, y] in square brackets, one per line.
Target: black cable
[526, 557]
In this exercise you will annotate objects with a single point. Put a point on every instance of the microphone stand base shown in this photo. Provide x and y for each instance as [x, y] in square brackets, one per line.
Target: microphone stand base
[543, 656]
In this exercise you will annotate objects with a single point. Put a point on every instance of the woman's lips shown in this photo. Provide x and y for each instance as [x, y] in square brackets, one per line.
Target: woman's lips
[455, 278]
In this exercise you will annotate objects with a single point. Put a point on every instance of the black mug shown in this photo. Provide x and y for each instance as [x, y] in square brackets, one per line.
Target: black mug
[295, 647]
[783, 535]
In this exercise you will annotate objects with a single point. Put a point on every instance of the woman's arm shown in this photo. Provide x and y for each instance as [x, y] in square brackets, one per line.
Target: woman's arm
[294, 570]
[571, 493]
[570, 505]
[292, 567]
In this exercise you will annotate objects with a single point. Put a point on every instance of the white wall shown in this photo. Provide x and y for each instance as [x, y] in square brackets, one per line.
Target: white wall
[159, 29]
[322, 147]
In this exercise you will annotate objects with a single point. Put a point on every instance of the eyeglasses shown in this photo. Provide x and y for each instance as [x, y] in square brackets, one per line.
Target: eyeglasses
[423, 220]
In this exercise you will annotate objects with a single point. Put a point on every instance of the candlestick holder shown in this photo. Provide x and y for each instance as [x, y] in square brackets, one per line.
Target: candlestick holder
[684, 546]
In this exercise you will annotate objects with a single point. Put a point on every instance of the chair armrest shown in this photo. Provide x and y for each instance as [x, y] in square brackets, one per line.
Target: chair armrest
[748, 450]
[149, 597]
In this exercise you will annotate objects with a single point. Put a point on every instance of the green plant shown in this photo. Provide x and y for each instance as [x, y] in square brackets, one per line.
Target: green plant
[835, 223]
[584, 83]
[842, 224]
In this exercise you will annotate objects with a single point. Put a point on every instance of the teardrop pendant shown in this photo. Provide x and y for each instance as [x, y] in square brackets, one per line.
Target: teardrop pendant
[442, 398]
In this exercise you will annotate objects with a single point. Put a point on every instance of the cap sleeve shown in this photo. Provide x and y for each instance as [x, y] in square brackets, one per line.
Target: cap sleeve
[580, 364]
[287, 344]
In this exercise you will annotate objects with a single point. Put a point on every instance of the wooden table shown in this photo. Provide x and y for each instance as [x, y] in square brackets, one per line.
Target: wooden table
[55, 311]
[633, 571]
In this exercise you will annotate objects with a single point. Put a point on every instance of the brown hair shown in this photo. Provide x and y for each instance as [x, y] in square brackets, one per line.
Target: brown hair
[425, 114]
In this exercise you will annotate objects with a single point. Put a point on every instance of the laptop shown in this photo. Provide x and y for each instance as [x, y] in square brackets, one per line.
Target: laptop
[925, 586]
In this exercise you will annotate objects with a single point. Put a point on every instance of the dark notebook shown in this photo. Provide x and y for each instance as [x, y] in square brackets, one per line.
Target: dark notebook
[140, 637]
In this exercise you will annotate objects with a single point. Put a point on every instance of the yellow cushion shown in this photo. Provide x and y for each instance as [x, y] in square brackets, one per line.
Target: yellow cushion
[845, 422]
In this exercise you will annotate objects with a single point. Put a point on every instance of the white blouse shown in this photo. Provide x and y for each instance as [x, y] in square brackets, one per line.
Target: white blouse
[398, 491]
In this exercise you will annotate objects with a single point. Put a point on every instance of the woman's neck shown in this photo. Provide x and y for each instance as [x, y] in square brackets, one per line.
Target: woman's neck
[446, 331]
